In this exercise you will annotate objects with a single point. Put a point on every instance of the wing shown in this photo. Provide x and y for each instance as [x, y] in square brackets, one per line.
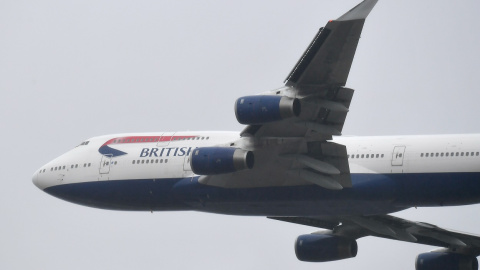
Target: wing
[328, 59]
[387, 226]
[296, 150]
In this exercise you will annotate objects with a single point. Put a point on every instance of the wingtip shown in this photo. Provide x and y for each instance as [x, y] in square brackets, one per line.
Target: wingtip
[359, 12]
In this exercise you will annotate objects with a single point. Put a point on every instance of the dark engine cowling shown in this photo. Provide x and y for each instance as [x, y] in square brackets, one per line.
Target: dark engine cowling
[324, 247]
[218, 160]
[252, 110]
[445, 260]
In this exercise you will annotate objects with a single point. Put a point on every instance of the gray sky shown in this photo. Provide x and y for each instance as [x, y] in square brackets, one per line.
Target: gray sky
[70, 70]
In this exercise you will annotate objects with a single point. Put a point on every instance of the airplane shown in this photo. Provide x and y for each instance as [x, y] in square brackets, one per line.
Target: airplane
[290, 163]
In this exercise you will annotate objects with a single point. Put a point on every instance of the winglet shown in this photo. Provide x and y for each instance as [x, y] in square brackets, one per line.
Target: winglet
[359, 12]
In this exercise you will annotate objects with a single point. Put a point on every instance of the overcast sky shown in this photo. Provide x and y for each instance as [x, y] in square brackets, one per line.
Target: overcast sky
[70, 70]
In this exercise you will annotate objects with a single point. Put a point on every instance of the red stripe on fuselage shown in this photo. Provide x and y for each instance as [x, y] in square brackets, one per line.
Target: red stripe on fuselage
[146, 139]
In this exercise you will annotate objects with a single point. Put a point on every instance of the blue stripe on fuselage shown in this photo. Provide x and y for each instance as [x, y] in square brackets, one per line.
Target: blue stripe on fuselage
[370, 194]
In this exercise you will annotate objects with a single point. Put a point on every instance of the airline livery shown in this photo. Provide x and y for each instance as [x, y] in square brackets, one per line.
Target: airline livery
[290, 164]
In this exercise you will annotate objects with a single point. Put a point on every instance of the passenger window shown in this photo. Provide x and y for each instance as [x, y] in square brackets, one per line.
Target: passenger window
[366, 156]
[456, 154]
[476, 154]
[446, 154]
[156, 160]
[166, 160]
[362, 156]
[143, 161]
[133, 161]
[382, 155]
[461, 154]
[421, 155]
[147, 161]
[436, 154]
[426, 155]
[441, 154]
[138, 161]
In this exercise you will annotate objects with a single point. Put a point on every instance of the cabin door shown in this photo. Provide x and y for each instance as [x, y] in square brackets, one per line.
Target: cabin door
[105, 164]
[398, 155]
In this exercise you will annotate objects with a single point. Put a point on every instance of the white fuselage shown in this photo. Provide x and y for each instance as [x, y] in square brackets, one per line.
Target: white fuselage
[377, 154]
[406, 170]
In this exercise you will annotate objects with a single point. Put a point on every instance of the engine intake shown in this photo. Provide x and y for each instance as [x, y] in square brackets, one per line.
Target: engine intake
[252, 110]
[324, 247]
[219, 160]
[445, 260]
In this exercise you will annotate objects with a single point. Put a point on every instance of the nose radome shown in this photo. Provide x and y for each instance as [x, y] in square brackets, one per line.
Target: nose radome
[35, 180]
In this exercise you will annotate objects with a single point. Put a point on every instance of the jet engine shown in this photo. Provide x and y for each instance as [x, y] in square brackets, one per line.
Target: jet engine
[253, 110]
[445, 260]
[324, 247]
[218, 160]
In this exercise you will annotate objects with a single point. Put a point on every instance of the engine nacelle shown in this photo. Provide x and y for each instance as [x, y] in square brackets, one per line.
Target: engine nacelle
[324, 247]
[445, 260]
[252, 110]
[218, 160]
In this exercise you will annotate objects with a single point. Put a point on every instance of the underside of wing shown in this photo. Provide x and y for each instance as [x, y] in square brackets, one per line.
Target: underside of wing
[390, 227]
[328, 59]
[318, 81]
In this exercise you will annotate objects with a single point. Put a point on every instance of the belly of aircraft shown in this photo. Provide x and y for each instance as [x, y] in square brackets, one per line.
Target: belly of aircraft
[371, 194]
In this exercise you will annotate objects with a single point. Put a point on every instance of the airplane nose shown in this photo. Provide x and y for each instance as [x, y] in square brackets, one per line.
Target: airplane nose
[35, 179]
